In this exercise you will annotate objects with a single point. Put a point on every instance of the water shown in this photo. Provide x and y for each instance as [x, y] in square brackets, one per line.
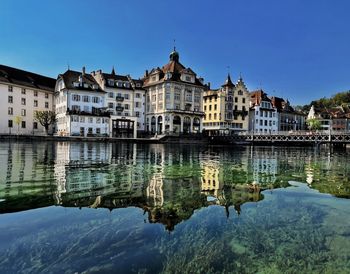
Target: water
[127, 208]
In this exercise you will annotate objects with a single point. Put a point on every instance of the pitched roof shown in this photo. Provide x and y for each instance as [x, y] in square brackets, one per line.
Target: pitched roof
[70, 77]
[257, 96]
[28, 79]
[175, 68]
[228, 82]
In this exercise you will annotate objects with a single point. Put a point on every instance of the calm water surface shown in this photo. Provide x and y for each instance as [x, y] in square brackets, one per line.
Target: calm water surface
[127, 208]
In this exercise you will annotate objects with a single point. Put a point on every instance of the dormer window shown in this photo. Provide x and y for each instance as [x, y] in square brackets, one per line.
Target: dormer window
[126, 84]
[94, 86]
[110, 82]
[188, 78]
[76, 84]
[119, 84]
[138, 85]
[240, 92]
[86, 85]
[168, 75]
[154, 78]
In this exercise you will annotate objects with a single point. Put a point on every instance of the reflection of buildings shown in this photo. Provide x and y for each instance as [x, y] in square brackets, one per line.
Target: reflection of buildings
[264, 165]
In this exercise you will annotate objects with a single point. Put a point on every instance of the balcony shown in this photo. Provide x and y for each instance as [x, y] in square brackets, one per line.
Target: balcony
[119, 98]
[240, 112]
[119, 108]
[94, 112]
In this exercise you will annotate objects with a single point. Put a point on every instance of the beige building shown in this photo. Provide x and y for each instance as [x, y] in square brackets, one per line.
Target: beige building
[23, 93]
[226, 109]
[174, 98]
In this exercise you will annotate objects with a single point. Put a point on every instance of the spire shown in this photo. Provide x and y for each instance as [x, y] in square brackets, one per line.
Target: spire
[228, 82]
[113, 71]
[174, 55]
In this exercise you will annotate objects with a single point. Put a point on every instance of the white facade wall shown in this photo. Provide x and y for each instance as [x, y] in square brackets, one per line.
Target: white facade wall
[83, 101]
[23, 106]
[263, 120]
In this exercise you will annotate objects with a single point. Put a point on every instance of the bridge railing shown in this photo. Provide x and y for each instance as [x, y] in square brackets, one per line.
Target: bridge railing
[297, 132]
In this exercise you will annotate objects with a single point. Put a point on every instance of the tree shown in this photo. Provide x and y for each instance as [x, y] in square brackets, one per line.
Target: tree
[18, 120]
[313, 124]
[45, 118]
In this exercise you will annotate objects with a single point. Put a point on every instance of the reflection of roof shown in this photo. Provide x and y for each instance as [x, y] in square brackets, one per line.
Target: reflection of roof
[24, 78]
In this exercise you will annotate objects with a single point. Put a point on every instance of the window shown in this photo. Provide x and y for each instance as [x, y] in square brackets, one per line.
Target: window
[10, 111]
[35, 93]
[23, 112]
[126, 96]
[23, 91]
[137, 114]
[240, 92]
[46, 104]
[209, 107]
[10, 88]
[138, 95]
[91, 120]
[23, 124]
[205, 108]
[23, 100]
[98, 120]
[10, 123]
[76, 97]
[98, 130]
[215, 107]
[110, 105]
[189, 96]
[46, 95]
[82, 119]
[96, 100]
[177, 96]
[35, 125]
[126, 114]
[86, 98]
[110, 94]
[137, 104]
[243, 100]
[236, 99]
[126, 106]
[265, 123]
[10, 99]
[35, 103]
[188, 78]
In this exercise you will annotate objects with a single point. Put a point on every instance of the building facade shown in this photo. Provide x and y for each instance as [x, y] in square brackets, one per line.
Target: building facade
[24, 93]
[125, 101]
[80, 106]
[263, 116]
[226, 109]
[288, 118]
[174, 98]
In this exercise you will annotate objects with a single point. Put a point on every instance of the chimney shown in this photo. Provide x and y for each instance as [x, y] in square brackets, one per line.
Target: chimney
[208, 85]
[146, 73]
[83, 71]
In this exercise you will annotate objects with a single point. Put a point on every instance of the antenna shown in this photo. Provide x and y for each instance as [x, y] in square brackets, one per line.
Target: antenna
[174, 45]
[68, 65]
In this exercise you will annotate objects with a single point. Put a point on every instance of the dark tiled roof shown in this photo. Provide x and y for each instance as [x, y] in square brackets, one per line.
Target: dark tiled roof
[257, 96]
[176, 68]
[24, 78]
[228, 82]
[71, 76]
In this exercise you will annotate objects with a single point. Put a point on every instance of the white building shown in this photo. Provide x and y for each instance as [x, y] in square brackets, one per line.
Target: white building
[125, 100]
[23, 93]
[263, 116]
[174, 99]
[80, 106]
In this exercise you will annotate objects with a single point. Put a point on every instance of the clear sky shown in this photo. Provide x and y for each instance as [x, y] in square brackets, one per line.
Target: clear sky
[297, 49]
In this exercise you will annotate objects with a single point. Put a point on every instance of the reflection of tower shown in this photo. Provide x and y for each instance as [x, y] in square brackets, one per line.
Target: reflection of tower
[154, 189]
[212, 179]
[309, 171]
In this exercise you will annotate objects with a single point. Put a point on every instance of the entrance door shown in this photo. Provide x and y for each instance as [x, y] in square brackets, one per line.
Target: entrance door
[82, 131]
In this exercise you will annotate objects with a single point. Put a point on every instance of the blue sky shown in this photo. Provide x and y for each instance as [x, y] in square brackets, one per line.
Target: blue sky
[296, 49]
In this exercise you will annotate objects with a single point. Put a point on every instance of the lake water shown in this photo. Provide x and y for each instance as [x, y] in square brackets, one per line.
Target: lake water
[131, 208]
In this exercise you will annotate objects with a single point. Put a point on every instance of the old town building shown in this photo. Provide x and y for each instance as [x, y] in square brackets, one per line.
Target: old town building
[263, 116]
[288, 118]
[174, 97]
[226, 109]
[125, 100]
[23, 93]
[80, 105]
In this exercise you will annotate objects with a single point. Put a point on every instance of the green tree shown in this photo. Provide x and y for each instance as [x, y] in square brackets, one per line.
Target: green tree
[18, 120]
[45, 118]
[313, 124]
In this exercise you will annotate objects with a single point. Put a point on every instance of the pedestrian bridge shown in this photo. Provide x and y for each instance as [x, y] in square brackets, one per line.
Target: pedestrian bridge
[283, 137]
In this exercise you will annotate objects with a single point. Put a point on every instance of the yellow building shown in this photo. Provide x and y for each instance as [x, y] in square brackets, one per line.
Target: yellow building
[226, 109]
